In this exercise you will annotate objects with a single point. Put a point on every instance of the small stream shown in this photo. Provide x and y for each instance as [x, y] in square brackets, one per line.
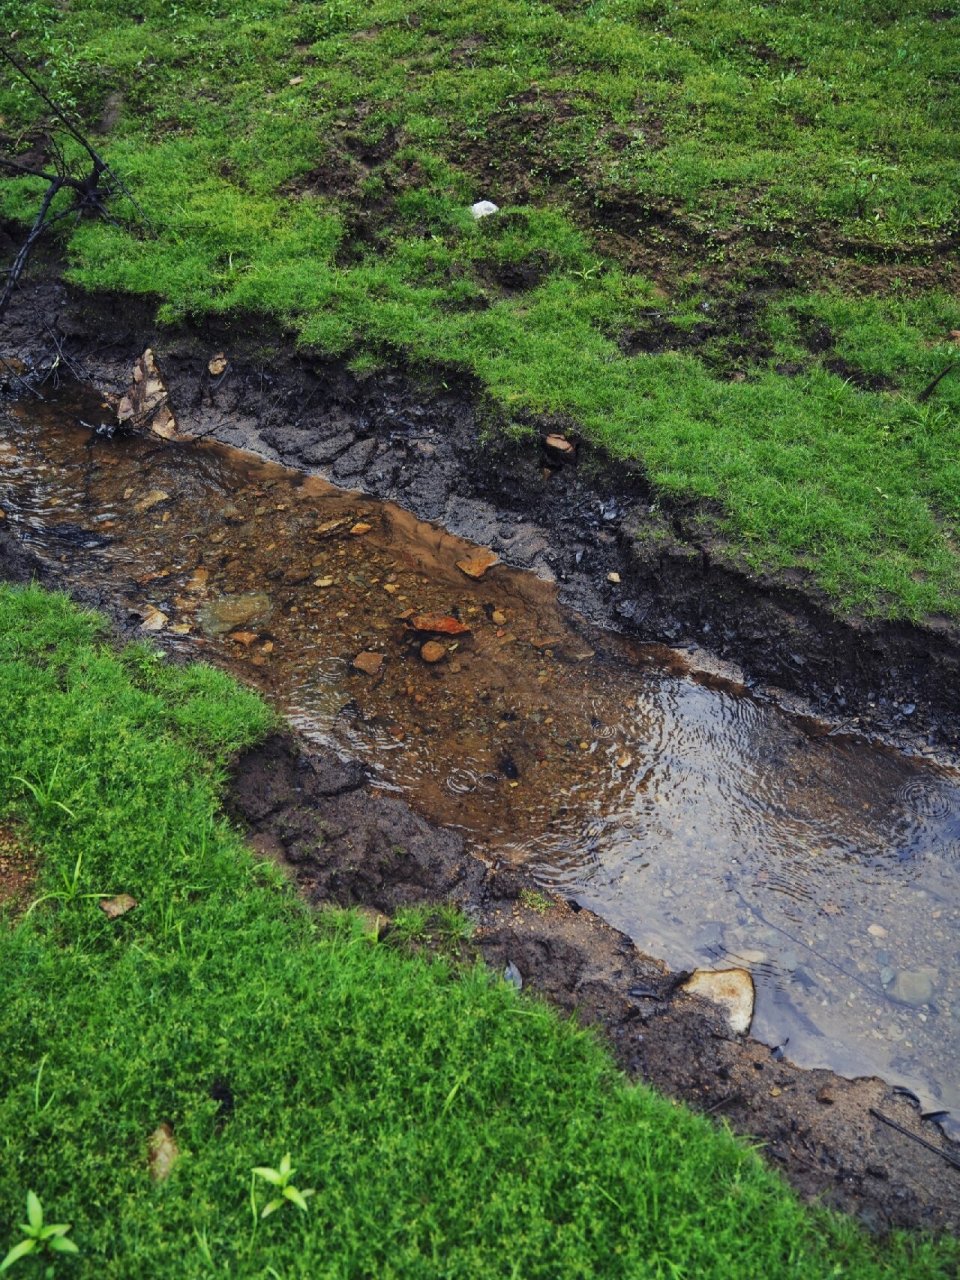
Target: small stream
[711, 828]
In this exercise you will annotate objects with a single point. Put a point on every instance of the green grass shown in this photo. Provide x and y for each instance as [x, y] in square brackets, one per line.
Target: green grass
[450, 1127]
[314, 163]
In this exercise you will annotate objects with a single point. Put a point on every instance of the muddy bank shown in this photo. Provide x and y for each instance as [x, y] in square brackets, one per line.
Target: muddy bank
[349, 845]
[434, 447]
[346, 843]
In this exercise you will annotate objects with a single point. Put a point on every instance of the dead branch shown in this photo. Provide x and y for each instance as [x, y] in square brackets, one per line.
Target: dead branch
[91, 190]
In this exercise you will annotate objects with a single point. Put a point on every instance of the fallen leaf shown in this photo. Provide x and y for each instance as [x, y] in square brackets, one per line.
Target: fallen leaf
[114, 908]
[163, 1152]
[478, 562]
[246, 638]
[442, 623]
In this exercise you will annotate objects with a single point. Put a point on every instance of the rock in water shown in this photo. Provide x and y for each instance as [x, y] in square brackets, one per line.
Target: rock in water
[433, 651]
[217, 617]
[368, 662]
[912, 987]
[478, 562]
[732, 989]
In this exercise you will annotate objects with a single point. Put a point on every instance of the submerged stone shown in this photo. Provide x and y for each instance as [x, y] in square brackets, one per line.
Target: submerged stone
[912, 987]
[732, 989]
[220, 616]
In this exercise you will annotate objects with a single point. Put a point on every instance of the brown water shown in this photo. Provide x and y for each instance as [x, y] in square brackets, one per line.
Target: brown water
[711, 828]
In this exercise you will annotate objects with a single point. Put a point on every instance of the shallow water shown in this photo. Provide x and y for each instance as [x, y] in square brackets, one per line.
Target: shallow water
[711, 828]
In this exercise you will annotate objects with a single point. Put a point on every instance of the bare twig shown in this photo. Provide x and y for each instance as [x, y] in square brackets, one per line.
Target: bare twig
[949, 1156]
[929, 389]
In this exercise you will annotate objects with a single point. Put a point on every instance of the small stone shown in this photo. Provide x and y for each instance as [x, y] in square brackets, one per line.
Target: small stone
[369, 663]
[825, 1097]
[217, 617]
[391, 588]
[513, 975]
[217, 364]
[477, 564]
[876, 931]
[732, 989]
[153, 619]
[360, 528]
[267, 647]
[614, 578]
[498, 618]
[433, 651]
[623, 760]
[483, 209]
[151, 499]
[114, 908]
[324, 582]
[181, 628]
[911, 987]
[439, 622]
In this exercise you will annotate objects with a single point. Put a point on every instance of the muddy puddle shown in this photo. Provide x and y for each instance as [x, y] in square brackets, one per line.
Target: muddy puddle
[712, 829]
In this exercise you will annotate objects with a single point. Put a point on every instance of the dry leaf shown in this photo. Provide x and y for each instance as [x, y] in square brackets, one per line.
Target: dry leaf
[163, 1152]
[114, 908]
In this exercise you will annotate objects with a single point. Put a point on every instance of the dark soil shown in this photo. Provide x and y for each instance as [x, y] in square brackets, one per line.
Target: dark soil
[428, 445]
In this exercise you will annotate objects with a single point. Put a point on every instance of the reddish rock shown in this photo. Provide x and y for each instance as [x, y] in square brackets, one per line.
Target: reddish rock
[440, 623]
[369, 663]
[433, 651]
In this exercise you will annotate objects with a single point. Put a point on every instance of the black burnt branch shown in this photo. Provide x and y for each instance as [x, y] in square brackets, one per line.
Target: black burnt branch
[90, 181]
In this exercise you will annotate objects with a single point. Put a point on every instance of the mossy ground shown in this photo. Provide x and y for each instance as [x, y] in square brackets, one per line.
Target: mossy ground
[449, 1126]
[726, 245]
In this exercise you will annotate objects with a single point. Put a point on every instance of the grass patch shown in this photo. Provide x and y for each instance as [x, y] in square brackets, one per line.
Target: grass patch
[652, 158]
[447, 1126]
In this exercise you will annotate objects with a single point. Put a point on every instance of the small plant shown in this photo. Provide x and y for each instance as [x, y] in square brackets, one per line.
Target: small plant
[40, 1238]
[280, 1178]
[70, 890]
[535, 901]
[42, 793]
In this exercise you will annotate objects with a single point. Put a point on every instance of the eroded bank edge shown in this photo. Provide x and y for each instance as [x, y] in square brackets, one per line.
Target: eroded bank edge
[435, 447]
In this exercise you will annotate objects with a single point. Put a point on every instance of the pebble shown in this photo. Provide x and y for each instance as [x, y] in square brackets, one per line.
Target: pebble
[912, 987]
[433, 651]
[483, 209]
[369, 663]
[360, 528]
[732, 989]
[614, 578]
[876, 931]
[498, 618]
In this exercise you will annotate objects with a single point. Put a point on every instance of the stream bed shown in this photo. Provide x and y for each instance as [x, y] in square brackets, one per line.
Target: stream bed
[714, 829]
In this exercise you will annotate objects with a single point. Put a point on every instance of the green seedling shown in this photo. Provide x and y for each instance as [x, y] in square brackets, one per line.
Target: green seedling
[42, 793]
[40, 1237]
[280, 1178]
[70, 891]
